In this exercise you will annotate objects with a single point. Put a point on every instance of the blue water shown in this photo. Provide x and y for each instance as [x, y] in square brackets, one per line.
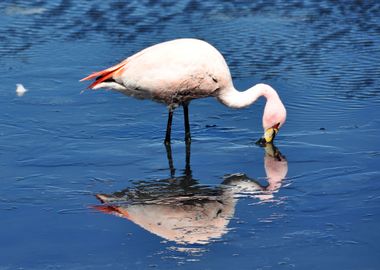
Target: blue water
[59, 148]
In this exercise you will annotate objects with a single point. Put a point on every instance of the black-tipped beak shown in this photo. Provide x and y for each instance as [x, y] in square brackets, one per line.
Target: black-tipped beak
[269, 135]
[261, 142]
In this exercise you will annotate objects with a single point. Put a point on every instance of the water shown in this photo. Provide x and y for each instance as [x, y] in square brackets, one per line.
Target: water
[315, 207]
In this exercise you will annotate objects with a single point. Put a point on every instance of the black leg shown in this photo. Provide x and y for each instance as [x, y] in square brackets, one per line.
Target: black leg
[169, 127]
[170, 159]
[187, 124]
[187, 165]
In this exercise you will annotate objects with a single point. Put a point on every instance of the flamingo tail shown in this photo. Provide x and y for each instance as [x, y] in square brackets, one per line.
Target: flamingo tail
[105, 74]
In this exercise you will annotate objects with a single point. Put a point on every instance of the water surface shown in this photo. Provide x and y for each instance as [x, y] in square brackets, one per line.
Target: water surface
[60, 148]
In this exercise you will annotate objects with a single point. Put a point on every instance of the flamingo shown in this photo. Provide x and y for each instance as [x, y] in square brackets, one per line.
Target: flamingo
[178, 71]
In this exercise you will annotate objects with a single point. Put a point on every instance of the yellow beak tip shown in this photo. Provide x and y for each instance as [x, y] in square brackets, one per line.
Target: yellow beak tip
[268, 139]
[269, 134]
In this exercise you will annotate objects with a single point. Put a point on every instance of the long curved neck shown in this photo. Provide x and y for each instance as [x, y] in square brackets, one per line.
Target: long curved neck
[236, 99]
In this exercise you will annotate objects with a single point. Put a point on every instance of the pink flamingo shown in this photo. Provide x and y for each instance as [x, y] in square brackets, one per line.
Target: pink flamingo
[178, 71]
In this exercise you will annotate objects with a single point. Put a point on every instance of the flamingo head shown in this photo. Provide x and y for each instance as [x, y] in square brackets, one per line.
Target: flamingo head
[273, 119]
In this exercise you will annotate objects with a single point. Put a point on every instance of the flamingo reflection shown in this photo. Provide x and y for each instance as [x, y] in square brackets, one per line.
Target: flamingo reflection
[179, 209]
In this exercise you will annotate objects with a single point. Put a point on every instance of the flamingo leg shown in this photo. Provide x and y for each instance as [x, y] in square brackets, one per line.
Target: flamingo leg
[169, 127]
[170, 160]
[187, 124]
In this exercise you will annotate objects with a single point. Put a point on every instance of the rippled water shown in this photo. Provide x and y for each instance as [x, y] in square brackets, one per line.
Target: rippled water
[68, 160]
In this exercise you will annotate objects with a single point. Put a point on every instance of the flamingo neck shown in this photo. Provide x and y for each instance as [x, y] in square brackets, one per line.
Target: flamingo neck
[236, 99]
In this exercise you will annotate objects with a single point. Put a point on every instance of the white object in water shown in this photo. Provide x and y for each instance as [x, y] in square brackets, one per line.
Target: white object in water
[19, 10]
[20, 90]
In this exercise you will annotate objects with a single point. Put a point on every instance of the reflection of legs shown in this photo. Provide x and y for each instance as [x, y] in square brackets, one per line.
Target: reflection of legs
[169, 127]
[171, 164]
[187, 165]
[170, 159]
[187, 125]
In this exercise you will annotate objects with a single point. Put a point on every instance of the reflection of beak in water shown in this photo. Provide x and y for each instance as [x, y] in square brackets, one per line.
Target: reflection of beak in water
[180, 210]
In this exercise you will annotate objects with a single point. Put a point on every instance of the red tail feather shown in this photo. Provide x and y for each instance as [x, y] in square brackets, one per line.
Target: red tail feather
[103, 75]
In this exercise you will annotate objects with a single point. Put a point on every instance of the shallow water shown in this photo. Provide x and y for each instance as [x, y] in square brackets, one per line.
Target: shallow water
[317, 207]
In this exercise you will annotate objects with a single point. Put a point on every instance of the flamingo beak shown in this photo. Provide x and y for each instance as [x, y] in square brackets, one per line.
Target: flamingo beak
[269, 135]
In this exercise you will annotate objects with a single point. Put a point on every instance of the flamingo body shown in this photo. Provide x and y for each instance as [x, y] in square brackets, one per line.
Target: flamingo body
[171, 72]
[178, 71]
